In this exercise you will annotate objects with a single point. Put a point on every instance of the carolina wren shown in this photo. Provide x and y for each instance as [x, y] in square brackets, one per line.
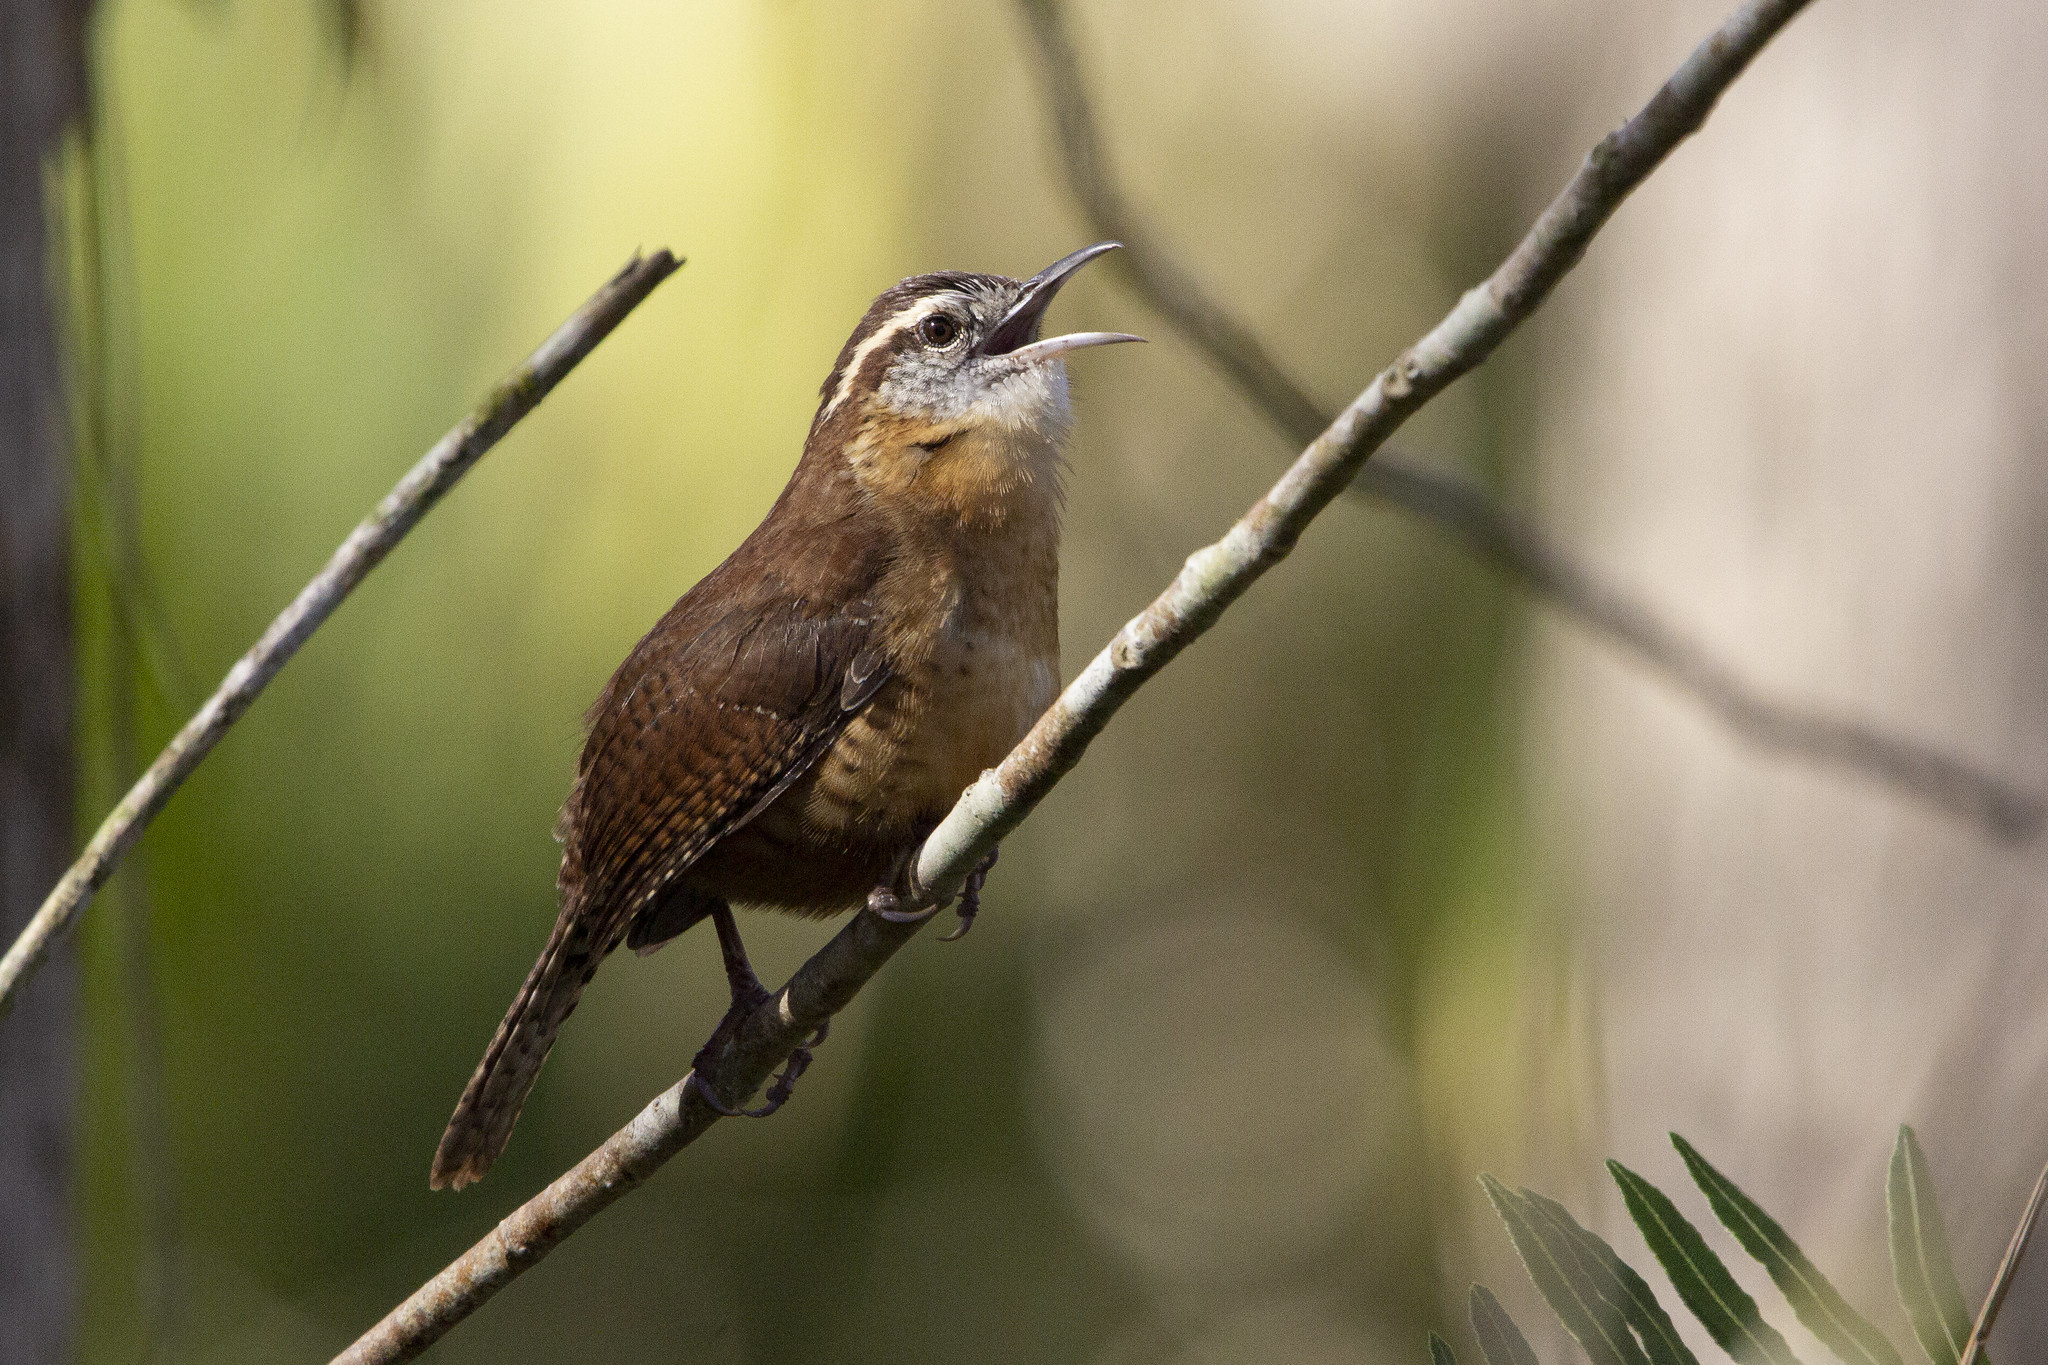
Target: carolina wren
[807, 713]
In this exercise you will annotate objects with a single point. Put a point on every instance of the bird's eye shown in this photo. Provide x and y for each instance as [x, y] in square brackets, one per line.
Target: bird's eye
[938, 331]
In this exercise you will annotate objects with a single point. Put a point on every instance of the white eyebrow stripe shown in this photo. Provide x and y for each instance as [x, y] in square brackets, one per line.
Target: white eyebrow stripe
[910, 317]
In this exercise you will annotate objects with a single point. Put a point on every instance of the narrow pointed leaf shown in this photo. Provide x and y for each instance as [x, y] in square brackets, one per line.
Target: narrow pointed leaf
[1440, 1351]
[1824, 1312]
[1723, 1307]
[1617, 1283]
[1920, 1261]
[1555, 1267]
[1500, 1341]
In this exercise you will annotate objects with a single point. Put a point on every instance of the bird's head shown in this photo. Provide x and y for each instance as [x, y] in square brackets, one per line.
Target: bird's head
[946, 394]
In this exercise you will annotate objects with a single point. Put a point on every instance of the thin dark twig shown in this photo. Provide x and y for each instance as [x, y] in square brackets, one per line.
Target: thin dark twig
[2008, 1270]
[1511, 545]
[423, 486]
[1212, 579]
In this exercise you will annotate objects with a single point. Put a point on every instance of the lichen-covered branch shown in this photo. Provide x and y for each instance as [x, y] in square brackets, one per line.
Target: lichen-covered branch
[1487, 530]
[1213, 578]
[437, 472]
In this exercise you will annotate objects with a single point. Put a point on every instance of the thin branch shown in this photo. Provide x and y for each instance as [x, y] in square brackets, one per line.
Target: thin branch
[438, 470]
[1213, 578]
[678, 1117]
[1510, 544]
[2008, 1269]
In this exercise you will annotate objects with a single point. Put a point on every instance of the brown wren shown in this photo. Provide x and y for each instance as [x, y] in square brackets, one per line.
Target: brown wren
[806, 714]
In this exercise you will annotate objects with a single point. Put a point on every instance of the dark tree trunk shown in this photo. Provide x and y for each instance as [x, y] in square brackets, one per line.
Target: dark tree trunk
[42, 87]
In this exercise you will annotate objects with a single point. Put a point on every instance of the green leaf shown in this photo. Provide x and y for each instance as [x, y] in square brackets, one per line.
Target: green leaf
[1555, 1265]
[1500, 1341]
[1723, 1307]
[1824, 1312]
[1920, 1262]
[1440, 1351]
[1617, 1284]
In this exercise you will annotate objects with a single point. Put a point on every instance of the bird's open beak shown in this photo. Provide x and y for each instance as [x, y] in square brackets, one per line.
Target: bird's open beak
[1012, 336]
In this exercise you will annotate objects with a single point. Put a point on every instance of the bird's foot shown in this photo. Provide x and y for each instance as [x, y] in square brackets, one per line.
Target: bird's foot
[748, 995]
[885, 904]
[970, 898]
[779, 1089]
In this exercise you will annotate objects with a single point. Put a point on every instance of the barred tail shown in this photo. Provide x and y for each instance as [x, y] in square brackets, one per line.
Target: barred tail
[490, 1104]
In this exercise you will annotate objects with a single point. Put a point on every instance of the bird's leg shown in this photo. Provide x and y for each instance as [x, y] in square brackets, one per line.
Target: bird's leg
[747, 994]
[970, 897]
[747, 990]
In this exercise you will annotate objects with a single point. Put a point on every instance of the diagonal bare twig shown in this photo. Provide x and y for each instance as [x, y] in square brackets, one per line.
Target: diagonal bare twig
[1488, 531]
[2008, 1269]
[438, 471]
[1212, 579]
[676, 1118]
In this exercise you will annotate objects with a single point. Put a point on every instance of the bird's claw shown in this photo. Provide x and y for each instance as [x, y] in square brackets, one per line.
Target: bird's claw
[779, 1089]
[970, 898]
[884, 904]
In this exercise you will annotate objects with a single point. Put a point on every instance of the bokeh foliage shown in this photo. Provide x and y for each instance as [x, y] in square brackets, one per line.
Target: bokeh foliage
[1291, 874]
[1615, 1316]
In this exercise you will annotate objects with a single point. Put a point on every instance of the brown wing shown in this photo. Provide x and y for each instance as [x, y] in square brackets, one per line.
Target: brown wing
[695, 736]
[704, 724]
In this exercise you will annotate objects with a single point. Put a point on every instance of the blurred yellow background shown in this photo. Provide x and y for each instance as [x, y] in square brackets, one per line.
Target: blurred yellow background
[1372, 890]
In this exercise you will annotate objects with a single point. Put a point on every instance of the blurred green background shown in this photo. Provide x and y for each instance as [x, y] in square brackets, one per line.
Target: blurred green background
[1248, 880]
[1259, 989]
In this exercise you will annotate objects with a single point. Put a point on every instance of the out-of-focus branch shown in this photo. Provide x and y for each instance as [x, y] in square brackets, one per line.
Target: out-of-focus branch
[1493, 534]
[438, 471]
[43, 95]
[1212, 579]
[1903, 765]
[1228, 343]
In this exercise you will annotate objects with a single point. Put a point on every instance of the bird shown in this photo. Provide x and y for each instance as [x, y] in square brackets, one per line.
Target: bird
[794, 726]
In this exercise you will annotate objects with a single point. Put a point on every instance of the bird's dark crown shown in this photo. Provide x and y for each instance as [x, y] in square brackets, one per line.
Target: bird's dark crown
[922, 336]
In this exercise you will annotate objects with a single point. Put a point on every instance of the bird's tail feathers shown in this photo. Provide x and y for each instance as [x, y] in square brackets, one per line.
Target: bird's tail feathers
[491, 1102]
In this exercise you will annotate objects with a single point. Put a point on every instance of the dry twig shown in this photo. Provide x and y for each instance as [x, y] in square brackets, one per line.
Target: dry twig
[1213, 578]
[1488, 531]
[366, 546]
[2008, 1269]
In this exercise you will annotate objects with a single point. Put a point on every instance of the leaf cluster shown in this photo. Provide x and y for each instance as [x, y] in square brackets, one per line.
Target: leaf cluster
[1614, 1314]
